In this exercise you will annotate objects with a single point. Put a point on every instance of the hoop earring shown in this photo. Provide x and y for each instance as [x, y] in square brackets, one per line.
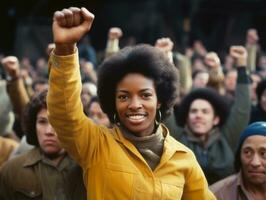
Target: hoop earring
[159, 116]
[116, 121]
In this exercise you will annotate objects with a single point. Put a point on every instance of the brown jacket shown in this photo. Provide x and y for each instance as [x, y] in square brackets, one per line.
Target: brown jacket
[32, 176]
[7, 146]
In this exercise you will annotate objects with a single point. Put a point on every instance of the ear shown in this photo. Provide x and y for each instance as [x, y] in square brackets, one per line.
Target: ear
[216, 120]
[159, 105]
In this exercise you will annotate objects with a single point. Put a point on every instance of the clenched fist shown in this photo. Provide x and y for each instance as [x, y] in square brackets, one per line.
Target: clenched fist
[239, 53]
[69, 26]
[11, 66]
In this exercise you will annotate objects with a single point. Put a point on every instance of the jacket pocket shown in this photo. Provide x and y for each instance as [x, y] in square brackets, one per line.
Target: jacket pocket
[118, 182]
[171, 191]
[24, 194]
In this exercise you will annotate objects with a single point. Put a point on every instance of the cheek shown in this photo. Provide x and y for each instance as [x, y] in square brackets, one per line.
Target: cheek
[244, 159]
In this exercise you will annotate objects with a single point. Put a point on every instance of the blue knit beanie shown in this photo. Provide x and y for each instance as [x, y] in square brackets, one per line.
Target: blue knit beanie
[256, 128]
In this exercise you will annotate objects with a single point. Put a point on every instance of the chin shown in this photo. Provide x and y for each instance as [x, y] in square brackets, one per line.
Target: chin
[51, 151]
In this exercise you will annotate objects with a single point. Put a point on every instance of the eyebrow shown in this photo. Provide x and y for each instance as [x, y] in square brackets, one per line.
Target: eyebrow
[142, 90]
[251, 147]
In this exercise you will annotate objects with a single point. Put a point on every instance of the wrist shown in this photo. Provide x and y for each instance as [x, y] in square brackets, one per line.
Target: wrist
[11, 78]
[64, 49]
[241, 63]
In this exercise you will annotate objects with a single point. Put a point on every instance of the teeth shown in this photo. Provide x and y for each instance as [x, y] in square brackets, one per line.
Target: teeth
[136, 117]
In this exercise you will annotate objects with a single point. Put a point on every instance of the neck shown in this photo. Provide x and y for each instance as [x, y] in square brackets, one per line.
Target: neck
[56, 158]
[203, 138]
[144, 133]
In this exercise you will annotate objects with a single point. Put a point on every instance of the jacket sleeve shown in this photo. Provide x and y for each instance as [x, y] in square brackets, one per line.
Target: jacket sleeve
[196, 186]
[18, 95]
[76, 133]
[239, 115]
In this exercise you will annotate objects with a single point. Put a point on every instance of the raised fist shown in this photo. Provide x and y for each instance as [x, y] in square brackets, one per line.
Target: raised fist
[252, 37]
[165, 44]
[212, 60]
[239, 53]
[69, 26]
[115, 33]
[11, 66]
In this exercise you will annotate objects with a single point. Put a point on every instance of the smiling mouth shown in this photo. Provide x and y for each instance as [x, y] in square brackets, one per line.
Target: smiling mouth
[136, 117]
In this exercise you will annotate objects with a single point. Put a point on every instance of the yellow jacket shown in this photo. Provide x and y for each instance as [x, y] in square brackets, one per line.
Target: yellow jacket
[113, 167]
[7, 146]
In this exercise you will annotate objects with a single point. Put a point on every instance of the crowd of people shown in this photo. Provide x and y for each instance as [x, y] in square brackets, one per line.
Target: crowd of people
[145, 122]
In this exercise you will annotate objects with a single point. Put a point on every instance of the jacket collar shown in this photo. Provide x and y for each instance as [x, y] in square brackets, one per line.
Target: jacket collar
[170, 144]
[35, 156]
[212, 136]
[244, 194]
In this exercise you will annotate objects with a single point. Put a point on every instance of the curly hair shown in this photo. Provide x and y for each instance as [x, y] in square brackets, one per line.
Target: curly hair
[219, 104]
[31, 111]
[145, 60]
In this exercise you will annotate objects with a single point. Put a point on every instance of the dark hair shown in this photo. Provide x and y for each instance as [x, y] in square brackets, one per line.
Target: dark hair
[146, 60]
[260, 89]
[219, 103]
[198, 71]
[41, 81]
[31, 111]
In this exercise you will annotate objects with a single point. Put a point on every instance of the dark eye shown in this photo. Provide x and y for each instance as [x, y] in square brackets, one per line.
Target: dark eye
[146, 95]
[122, 97]
[42, 121]
[247, 152]
[263, 154]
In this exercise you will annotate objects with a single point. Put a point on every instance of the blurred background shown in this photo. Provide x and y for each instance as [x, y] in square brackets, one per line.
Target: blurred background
[26, 25]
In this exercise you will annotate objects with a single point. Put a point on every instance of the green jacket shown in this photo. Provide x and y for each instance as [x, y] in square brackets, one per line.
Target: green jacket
[32, 176]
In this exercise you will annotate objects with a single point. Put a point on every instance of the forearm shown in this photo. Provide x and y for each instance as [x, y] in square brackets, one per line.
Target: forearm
[63, 102]
[240, 111]
[185, 73]
[112, 47]
[216, 79]
[18, 95]
[251, 59]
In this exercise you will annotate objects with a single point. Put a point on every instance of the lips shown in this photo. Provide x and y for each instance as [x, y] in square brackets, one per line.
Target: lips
[49, 142]
[136, 118]
[198, 123]
[255, 172]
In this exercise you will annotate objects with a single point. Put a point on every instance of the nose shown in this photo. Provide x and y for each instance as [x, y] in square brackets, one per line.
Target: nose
[50, 130]
[135, 103]
[256, 160]
[198, 114]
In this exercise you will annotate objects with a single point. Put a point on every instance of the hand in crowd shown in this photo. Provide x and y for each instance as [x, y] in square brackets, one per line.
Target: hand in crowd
[115, 33]
[212, 60]
[199, 48]
[252, 37]
[11, 66]
[69, 26]
[239, 53]
[189, 52]
[165, 44]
